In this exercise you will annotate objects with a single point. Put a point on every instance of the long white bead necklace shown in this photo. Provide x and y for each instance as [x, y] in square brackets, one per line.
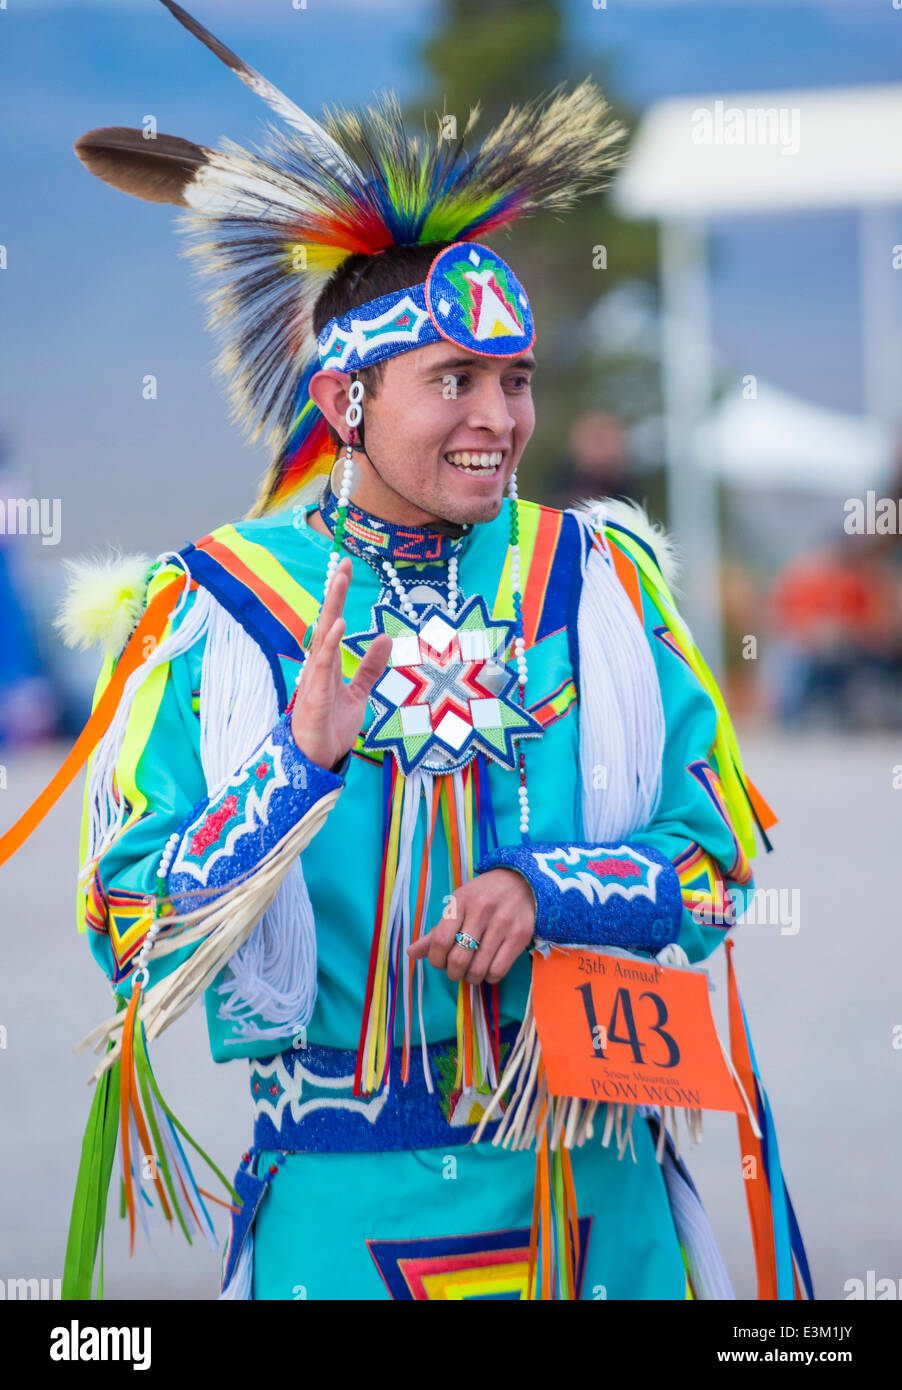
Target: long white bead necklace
[407, 607]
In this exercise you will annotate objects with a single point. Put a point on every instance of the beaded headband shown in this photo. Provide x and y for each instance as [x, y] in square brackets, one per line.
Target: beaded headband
[470, 297]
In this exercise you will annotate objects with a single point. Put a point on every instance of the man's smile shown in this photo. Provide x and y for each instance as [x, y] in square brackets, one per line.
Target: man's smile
[483, 463]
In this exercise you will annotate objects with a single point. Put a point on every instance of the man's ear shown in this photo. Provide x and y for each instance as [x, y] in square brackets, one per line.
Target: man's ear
[329, 390]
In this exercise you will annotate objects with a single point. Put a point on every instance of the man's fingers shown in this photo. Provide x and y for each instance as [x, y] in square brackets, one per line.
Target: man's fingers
[331, 645]
[469, 965]
[460, 958]
[333, 603]
[476, 967]
[499, 947]
[372, 665]
[319, 674]
[440, 942]
[509, 951]
[435, 944]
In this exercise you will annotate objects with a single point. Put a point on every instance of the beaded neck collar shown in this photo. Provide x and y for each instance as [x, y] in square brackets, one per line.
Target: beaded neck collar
[372, 538]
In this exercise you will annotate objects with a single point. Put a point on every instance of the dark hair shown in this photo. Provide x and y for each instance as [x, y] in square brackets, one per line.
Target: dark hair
[364, 277]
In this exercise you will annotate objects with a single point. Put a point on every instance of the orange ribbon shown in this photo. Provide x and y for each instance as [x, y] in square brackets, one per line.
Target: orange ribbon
[152, 624]
[757, 1189]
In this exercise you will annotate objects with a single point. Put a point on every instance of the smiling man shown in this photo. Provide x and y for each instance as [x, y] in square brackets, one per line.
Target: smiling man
[386, 734]
[480, 432]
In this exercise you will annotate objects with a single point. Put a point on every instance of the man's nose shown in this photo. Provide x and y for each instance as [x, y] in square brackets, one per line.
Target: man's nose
[490, 408]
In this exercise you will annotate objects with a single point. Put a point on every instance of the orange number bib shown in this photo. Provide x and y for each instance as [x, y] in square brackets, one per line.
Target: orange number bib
[627, 1030]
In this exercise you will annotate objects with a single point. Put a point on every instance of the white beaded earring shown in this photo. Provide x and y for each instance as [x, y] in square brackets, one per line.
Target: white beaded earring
[353, 416]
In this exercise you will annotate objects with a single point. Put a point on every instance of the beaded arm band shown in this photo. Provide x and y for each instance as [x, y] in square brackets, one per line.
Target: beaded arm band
[608, 894]
[227, 835]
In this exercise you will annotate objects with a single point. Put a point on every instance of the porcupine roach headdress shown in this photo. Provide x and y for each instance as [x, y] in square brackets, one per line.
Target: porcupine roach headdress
[270, 228]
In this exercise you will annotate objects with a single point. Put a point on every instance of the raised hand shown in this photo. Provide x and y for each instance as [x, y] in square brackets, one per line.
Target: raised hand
[328, 712]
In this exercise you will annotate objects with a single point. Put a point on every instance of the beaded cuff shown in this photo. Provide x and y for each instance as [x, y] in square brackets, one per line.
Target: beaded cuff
[227, 835]
[610, 894]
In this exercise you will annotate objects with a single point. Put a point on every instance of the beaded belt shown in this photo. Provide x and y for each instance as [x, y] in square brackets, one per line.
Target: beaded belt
[304, 1102]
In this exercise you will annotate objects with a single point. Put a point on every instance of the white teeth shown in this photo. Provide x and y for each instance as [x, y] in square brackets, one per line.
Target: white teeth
[485, 464]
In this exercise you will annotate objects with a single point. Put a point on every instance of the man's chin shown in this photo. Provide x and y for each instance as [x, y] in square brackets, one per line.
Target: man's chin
[473, 510]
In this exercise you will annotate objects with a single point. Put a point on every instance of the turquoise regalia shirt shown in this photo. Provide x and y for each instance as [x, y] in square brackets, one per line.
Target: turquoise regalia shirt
[446, 1218]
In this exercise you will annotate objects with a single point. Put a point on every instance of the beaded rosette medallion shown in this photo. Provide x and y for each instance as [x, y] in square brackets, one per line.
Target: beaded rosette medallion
[446, 693]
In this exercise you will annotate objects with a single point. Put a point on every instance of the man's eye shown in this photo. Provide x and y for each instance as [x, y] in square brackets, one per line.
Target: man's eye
[519, 383]
[452, 382]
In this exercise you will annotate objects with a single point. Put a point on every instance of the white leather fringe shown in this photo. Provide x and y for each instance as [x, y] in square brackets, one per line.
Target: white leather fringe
[710, 1280]
[105, 808]
[241, 1284]
[217, 930]
[621, 717]
[274, 974]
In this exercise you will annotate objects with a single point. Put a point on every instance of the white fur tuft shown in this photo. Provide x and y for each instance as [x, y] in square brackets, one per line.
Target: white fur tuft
[635, 518]
[104, 600]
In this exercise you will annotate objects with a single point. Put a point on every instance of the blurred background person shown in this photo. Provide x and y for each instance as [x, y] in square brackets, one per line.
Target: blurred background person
[596, 464]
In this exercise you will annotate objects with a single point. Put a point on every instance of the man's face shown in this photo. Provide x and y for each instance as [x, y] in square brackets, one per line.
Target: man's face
[445, 432]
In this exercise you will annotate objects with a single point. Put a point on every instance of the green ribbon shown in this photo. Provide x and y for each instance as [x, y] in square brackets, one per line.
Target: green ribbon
[92, 1185]
[88, 1219]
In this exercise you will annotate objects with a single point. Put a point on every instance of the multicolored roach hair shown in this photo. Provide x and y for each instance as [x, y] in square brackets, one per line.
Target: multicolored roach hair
[268, 227]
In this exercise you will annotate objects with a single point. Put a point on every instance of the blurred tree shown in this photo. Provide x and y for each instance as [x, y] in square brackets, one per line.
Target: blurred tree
[502, 52]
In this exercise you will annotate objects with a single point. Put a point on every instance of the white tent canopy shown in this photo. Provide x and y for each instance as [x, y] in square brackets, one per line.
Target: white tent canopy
[703, 156]
[779, 441]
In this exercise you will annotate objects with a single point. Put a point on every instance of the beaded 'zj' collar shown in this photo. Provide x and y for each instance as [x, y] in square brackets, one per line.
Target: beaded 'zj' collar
[371, 537]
